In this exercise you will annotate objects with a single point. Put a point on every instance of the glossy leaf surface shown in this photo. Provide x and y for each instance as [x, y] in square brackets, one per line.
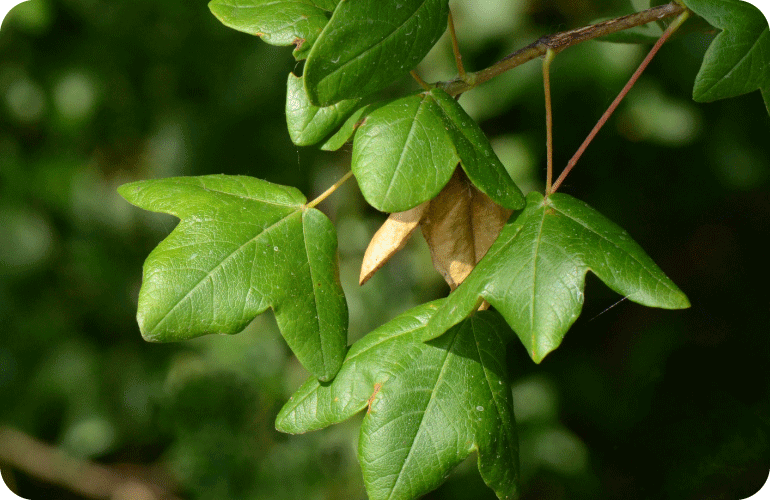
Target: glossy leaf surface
[405, 151]
[242, 245]
[402, 155]
[481, 164]
[277, 22]
[430, 404]
[309, 124]
[738, 60]
[534, 274]
[368, 44]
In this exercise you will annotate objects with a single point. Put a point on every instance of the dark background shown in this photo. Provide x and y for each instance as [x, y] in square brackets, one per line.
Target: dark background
[636, 404]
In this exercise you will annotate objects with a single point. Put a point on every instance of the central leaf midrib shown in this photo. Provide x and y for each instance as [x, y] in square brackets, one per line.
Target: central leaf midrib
[534, 278]
[296, 205]
[727, 74]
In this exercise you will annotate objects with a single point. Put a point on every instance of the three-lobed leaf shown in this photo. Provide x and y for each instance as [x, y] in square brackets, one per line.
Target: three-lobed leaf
[534, 274]
[242, 245]
[277, 22]
[430, 404]
[738, 60]
[368, 44]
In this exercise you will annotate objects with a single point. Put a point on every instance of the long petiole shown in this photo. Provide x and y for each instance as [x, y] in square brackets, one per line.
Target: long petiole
[669, 31]
[549, 55]
[456, 48]
[419, 80]
[329, 191]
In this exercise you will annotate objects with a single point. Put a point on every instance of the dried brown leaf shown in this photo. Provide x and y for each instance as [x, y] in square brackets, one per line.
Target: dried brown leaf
[389, 239]
[460, 225]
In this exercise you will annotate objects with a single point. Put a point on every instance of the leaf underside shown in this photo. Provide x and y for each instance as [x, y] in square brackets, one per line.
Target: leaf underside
[277, 22]
[429, 405]
[309, 124]
[534, 274]
[242, 245]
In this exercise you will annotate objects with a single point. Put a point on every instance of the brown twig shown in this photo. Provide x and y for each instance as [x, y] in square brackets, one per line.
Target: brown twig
[558, 42]
[91, 480]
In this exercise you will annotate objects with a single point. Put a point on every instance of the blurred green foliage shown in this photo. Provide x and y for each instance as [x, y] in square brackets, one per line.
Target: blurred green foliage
[637, 403]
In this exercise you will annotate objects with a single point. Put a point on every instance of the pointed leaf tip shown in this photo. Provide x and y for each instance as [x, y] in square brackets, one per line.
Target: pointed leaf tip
[534, 274]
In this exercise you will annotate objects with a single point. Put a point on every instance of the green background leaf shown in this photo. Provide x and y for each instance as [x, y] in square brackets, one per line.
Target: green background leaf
[368, 44]
[346, 131]
[534, 274]
[402, 155]
[277, 22]
[242, 245]
[309, 124]
[430, 404]
[738, 60]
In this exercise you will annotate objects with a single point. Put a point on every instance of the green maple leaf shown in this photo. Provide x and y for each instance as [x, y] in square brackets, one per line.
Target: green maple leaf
[738, 60]
[430, 404]
[242, 245]
[534, 273]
